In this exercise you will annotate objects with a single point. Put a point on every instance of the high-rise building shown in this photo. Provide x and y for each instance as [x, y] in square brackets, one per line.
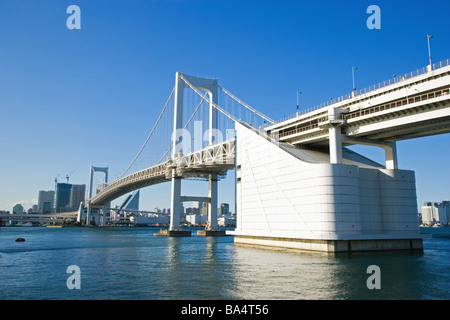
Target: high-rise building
[62, 198]
[224, 208]
[69, 196]
[45, 201]
[205, 208]
[435, 212]
[47, 207]
[197, 204]
[18, 209]
[77, 194]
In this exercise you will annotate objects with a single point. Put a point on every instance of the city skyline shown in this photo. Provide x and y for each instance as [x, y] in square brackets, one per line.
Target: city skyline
[76, 98]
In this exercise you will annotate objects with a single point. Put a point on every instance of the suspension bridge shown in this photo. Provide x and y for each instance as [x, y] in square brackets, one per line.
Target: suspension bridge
[297, 185]
[207, 155]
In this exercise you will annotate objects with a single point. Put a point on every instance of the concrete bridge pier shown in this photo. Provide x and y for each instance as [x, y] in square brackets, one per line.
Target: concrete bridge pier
[175, 208]
[390, 150]
[104, 214]
[88, 214]
[212, 227]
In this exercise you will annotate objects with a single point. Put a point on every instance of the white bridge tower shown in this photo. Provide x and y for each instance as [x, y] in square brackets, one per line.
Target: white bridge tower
[211, 88]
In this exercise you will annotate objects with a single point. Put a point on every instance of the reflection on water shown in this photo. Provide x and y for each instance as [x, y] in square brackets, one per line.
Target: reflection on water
[293, 275]
[130, 263]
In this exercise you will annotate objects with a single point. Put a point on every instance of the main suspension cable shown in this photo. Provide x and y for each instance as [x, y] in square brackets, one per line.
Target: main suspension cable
[229, 116]
[151, 133]
[246, 105]
[187, 123]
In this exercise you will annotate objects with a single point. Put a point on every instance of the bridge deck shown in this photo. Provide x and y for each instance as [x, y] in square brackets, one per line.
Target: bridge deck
[415, 107]
[212, 160]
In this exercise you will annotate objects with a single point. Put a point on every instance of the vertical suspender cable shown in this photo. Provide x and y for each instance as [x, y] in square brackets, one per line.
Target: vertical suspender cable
[148, 138]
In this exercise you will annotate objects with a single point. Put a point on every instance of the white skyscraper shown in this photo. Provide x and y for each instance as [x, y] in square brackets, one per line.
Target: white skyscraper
[77, 194]
[45, 201]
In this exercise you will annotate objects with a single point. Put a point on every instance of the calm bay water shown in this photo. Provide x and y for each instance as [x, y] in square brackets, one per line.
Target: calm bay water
[131, 263]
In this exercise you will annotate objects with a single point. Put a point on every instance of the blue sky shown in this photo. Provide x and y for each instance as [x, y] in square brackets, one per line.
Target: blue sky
[70, 99]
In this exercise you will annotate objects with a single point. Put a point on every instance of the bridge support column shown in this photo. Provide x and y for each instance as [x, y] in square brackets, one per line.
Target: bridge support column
[88, 214]
[335, 136]
[390, 149]
[175, 204]
[212, 226]
[212, 212]
[80, 212]
[175, 210]
[175, 200]
[103, 223]
[335, 144]
[391, 156]
[177, 148]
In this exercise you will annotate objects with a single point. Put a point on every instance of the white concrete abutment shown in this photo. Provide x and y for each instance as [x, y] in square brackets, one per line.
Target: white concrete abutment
[306, 202]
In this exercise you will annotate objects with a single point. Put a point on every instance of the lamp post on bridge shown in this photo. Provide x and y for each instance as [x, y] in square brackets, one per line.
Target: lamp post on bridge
[429, 36]
[298, 92]
[353, 77]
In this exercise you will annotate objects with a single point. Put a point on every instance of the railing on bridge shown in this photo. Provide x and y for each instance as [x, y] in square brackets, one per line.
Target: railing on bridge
[440, 64]
[214, 159]
[221, 153]
[315, 123]
[304, 128]
[368, 89]
[394, 104]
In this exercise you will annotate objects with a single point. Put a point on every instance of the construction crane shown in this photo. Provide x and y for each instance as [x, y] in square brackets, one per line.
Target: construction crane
[56, 179]
[68, 175]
